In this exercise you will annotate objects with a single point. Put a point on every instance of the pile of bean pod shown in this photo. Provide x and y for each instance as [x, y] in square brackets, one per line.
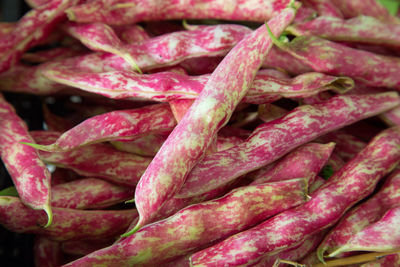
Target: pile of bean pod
[204, 133]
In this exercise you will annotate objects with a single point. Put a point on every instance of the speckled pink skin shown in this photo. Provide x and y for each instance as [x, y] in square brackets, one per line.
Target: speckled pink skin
[392, 117]
[352, 183]
[371, 8]
[179, 107]
[52, 54]
[282, 60]
[29, 174]
[68, 224]
[130, 34]
[379, 236]
[100, 37]
[46, 252]
[147, 146]
[336, 59]
[28, 79]
[294, 253]
[361, 29]
[97, 160]
[199, 225]
[34, 27]
[168, 86]
[324, 8]
[128, 12]
[116, 125]
[363, 215]
[189, 140]
[84, 247]
[88, 193]
[165, 50]
[304, 162]
[387, 261]
[272, 140]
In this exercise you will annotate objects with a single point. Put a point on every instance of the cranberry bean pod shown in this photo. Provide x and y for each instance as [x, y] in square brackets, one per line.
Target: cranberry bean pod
[361, 29]
[380, 236]
[336, 59]
[165, 50]
[187, 143]
[371, 8]
[116, 125]
[305, 161]
[167, 86]
[199, 224]
[28, 172]
[88, 193]
[272, 140]
[352, 183]
[363, 215]
[68, 224]
[97, 160]
[34, 27]
[128, 12]
[100, 37]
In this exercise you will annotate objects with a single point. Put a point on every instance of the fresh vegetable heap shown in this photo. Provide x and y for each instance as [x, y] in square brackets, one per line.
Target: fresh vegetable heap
[205, 133]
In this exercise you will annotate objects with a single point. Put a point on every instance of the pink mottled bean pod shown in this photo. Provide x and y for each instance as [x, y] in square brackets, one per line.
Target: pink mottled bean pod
[391, 117]
[349, 185]
[116, 125]
[361, 29]
[100, 37]
[147, 146]
[324, 8]
[294, 253]
[199, 224]
[306, 161]
[362, 216]
[88, 193]
[97, 160]
[35, 26]
[272, 140]
[380, 236]
[168, 86]
[284, 61]
[165, 50]
[371, 8]
[29, 174]
[128, 12]
[130, 34]
[336, 59]
[189, 140]
[46, 252]
[68, 224]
